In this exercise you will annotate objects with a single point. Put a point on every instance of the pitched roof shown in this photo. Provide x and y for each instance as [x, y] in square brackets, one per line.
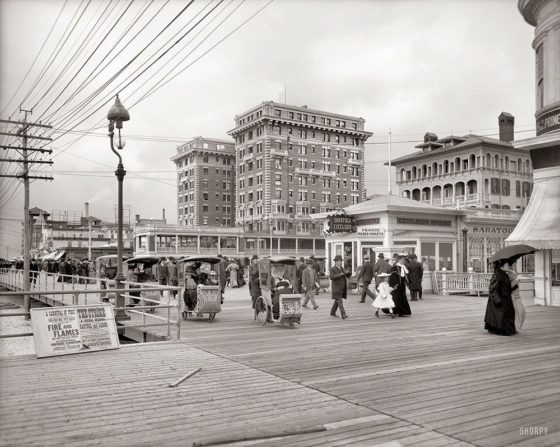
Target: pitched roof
[38, 211]
[470, 140]
[389, 202]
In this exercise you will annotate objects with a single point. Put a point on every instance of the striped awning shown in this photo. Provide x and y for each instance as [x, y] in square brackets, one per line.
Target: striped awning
[539, 226]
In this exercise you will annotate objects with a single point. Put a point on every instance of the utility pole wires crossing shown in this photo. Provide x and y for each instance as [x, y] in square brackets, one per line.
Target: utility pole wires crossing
[25, 161]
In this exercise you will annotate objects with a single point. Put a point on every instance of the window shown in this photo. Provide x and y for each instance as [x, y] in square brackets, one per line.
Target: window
[204, 171]
[205, 195]
[278, 193]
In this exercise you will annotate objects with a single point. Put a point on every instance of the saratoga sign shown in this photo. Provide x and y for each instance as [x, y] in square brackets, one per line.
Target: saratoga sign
[340, 223]
[74, 329]
[491, 230]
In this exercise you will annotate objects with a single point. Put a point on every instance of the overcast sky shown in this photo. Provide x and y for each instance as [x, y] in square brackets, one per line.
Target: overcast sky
[405, 66]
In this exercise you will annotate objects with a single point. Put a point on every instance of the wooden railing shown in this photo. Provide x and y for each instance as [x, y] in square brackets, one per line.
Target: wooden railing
[445, 282]
[63, 290]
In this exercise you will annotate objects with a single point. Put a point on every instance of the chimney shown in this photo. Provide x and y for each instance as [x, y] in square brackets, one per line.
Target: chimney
[137, 218]
[87, 209]
[506, 123]
[163, 215]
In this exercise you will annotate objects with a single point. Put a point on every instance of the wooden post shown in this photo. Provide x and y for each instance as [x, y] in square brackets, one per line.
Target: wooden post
[444, 282]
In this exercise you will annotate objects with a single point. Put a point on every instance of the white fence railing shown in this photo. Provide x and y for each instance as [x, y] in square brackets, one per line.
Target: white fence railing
[445, 282]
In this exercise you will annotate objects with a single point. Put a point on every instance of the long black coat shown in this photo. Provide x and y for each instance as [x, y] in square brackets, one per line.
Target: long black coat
[415, 273]
[398, 283]
[500, 313]
[339, 287]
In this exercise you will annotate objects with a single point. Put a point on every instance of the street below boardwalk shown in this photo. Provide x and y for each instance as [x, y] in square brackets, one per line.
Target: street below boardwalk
[433, 379]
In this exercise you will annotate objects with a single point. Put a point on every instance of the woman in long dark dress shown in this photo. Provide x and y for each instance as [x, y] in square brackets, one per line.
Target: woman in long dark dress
[500, 313]
[397, 281]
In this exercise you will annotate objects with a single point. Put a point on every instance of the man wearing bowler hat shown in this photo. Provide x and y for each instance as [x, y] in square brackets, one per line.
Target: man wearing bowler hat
[366, 275]
[339, 287]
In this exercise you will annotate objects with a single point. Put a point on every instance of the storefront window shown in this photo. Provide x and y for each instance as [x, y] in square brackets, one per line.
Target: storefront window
[429, 255]
[445, 255]
[555, 277]
[347, 256]
[528, 264]
[476, 254]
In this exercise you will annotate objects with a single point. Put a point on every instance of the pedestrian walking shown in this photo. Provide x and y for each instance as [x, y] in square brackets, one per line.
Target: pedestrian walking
[232, 270]
[398, 280]
[500, 313]
[415, 274]
[308, 284]
[381, 266]
[515, 295]
[222, 272]
[339, 287]
[317, 267]
[173, 275]
[299, 274]
[162, 276]
[366, 276]
[254, 283]
[384, 300]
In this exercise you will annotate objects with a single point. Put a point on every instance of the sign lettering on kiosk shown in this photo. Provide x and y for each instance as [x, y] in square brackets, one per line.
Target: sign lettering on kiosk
[74, 329]
[340, 222]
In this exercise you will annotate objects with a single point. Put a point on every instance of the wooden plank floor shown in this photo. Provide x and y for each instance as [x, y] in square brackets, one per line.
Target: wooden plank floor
[437, 370]
[434, 379]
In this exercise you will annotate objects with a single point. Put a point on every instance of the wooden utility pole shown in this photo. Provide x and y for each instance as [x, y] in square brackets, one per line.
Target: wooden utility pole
[24, 151]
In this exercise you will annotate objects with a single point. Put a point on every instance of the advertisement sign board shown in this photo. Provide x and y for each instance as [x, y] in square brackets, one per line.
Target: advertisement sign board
[340, 223]
[74, 329]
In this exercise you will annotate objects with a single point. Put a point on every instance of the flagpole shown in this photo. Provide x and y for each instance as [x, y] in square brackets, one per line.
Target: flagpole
[389, 176]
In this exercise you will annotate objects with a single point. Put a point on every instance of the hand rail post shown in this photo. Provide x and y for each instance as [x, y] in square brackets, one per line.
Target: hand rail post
[444, 281]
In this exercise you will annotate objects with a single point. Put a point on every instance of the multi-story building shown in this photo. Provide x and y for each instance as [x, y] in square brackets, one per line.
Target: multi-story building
[469, 171]
[205, 182]
[292, 162]
[76, 234]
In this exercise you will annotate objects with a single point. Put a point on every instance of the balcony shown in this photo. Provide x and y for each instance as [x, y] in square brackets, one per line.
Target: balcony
[448, 200]
[499, 213]
[279, 152]
[354, 162]
[307, 171]
[327, 173]
[248, 156]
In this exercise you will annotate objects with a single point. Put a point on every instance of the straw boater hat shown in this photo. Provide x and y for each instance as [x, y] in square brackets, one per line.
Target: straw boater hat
[383, 275]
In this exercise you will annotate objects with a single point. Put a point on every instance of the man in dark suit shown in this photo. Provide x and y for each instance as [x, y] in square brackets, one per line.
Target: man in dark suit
[415, 273]
[299, 275]
[339, 287]
[366, 275]
[381, 266]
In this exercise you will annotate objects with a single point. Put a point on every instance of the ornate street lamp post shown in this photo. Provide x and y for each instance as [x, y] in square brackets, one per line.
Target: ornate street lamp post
[116, 115]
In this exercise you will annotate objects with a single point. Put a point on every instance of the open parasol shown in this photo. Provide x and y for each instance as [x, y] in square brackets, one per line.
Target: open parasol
[512, 251]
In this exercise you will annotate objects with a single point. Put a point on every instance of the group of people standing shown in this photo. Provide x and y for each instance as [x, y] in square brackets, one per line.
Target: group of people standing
[505, 312]
[390, 281]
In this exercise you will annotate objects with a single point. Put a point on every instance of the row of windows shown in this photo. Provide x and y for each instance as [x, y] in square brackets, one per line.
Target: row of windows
[465, 164]
[303, 196]
[224, 172]
[302, 164]
[191, 159]
[305, 117]
[307, 134]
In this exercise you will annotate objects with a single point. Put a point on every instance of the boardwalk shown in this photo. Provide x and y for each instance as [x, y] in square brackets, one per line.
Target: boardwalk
[435, 379]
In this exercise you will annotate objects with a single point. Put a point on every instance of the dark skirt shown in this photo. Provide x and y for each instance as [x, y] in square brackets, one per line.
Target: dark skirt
[500, 316]
[402, 308]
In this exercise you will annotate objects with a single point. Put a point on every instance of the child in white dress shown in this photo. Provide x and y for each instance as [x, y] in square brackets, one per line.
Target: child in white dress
[384, 300]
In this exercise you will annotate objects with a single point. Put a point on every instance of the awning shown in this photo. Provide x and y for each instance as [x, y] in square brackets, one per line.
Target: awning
[538, 227]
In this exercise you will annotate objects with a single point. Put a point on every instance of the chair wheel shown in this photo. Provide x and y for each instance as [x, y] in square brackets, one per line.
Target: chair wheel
[211, 316]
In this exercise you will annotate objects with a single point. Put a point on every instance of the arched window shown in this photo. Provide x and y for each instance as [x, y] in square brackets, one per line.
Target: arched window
[496, 162]
[459, 189]
[434, 168]
[507, 163]
[527, 167]
[446, 167]
[436, 194]
[472, 187]
[406, 193]
[416, 194]
[426, 194]
[457, 164]
[424, 171]
[519, 165]
[448, 190]
[414, 172]
[488, 161]
[472, 161]
[401, 175]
